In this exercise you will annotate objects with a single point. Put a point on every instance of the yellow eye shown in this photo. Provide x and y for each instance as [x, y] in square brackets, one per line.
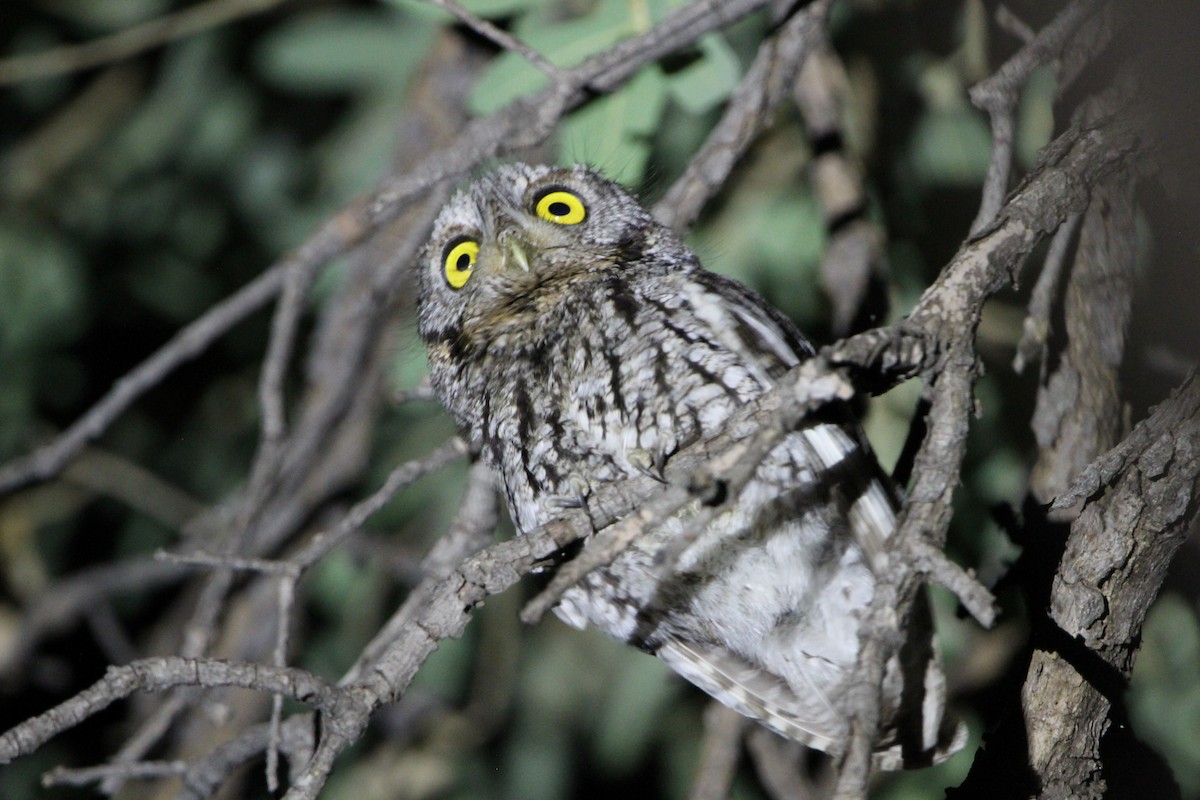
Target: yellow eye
[460, 261]
[561, 207]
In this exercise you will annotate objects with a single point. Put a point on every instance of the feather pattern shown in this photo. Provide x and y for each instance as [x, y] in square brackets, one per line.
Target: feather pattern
[608, 347]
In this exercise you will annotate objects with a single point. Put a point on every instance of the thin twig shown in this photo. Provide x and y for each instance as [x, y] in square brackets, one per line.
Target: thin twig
[748, 112]
[126, 43]
[364, 509]
[717, 764]
[283, 614]
[970, 278]
[1009, 21]
[206, 773]
[62, 776]
[107, 473]
[995, 182]
[266, 566]
[158, 674]
[507, 130]
[148, 733]
[1184, 403]
[1036, 328]
[998, 94]
[56, 610]
[193, 339]
[503, 39]
[814, 387]
[729, 473]
[975, 597]
[284, 325]
[470, 532]
[605, 547]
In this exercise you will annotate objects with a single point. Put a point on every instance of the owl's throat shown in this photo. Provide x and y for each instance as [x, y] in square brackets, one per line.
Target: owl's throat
[530, 313]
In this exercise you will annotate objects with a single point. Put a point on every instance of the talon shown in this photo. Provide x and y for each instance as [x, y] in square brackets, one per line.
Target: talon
[649, 465]
[578, 497]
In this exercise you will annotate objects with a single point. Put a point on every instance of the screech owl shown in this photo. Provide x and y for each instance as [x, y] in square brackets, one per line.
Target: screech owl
[577, 341]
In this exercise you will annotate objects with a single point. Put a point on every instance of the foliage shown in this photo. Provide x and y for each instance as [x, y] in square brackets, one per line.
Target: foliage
[138, 194]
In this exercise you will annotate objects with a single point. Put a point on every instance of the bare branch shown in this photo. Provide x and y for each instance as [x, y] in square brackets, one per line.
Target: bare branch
[193, 339]
[932, 562]
[998, 96]
[157, 674]
[471, 531]
[292, 478]
[1116, 558]
[61, 776]
[1010, 22]
[1077, 415]
[127, 43]
[1185, 404]
[723, 729]
[55, 610]
[504, 131]
[1036, 328]
[502, 39]
[284, 325]
[747, 114]
[107, 473]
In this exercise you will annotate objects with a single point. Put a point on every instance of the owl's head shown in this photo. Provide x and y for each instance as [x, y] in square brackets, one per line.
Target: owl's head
[520, 241]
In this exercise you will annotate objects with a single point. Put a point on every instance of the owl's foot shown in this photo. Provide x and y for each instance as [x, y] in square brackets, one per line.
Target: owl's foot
[579, 489]
[649, 464]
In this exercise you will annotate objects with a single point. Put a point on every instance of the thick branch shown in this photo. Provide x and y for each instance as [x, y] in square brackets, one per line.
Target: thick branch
[1115, 561]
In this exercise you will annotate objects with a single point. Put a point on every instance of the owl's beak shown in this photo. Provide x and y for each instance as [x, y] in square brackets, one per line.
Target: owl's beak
[514, 254]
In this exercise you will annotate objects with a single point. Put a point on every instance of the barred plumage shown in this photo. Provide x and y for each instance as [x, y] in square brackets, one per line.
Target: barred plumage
[576, 342]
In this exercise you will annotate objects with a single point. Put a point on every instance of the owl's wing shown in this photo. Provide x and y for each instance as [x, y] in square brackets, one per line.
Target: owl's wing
[769, 341]
[919, 735]
[763, 334]
[755, 693]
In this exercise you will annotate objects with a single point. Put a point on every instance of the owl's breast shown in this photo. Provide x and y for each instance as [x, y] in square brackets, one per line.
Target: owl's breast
[610, 386]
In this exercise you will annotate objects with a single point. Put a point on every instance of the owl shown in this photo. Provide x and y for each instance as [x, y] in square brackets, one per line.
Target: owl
[576, 341]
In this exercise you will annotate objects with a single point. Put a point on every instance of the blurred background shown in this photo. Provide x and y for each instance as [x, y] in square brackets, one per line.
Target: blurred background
[138, 192]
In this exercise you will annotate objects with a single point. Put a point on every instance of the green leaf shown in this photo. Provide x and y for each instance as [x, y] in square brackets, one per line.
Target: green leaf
[770, 237]
[613, 133]
[337, 51]
[1035, 117]
[363, 146]
[639, 693]
[562, 43]
[701, 86]
[112, 15]
[1164, 695]
[951, 146]
[163, 125]
[41, 288]
[490, 9]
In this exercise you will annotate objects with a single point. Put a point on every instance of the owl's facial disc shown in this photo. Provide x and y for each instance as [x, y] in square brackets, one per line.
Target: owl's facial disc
[525, 242]
[512, 248]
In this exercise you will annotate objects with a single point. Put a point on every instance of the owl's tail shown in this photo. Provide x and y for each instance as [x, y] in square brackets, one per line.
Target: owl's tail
[817, 720]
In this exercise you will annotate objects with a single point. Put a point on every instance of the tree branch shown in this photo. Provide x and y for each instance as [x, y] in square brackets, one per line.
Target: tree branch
[503, 132]
[127, 43]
